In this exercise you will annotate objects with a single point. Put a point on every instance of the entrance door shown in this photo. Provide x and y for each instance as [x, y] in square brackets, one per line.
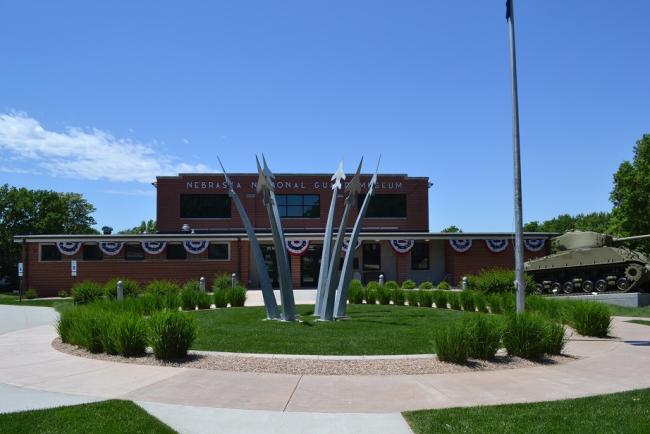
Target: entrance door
[268, 251]
[371, 261]
[310, 266]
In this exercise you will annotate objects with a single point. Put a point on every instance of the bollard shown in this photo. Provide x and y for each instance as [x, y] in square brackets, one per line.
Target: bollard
[202, 284]
[234, 279]
[464, 284]
[381, 280]
[120, 290]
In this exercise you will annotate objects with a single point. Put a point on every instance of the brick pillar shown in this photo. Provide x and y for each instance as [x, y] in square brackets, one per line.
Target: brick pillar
[403, 262]
[295, 270]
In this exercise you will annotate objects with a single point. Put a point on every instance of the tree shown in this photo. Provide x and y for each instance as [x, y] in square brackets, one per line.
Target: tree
[32, 212]
[451, 229]
[148, 227]
[595, 221]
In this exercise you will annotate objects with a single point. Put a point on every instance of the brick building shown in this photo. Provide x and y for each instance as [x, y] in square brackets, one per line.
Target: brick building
[201, 234]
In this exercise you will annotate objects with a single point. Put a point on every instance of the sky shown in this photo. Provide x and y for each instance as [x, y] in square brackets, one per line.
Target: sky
[101, 97]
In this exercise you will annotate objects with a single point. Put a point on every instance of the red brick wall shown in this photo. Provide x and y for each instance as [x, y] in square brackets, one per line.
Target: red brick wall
[479, 257]
[169, 190]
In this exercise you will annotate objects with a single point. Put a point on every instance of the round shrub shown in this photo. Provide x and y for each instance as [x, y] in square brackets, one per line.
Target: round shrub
[374, 285]
[483, 336]
[371, 294]
[444, 285]
[412, 297]
[86, 292]
[590, 319]
[129, 333]
[220, 298]
[467, 301]
[356, 293]
[440, 299]
[162, 287]
[355, 284]
[391, 284]
[451, 343]
[171, 334]
[131, 287]
[524, 335]
[398, 296]
[236, 296]
[409, 284]
[426, 285]
[383, 295]
[31, 294]
[221, 282]
[454, 300]
[426, 298]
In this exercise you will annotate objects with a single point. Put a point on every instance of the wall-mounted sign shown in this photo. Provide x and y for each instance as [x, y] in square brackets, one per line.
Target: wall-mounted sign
[20, 269]
[73, 268]
[286, 185]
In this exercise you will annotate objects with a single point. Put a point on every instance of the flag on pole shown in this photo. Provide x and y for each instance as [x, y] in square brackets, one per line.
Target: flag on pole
[508, 9]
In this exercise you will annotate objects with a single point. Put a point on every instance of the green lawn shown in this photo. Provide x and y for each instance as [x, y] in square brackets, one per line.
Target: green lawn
[640, 321]
[100, 417]
[15, 300]
[371, 330]
[617, 413]
[630, 311]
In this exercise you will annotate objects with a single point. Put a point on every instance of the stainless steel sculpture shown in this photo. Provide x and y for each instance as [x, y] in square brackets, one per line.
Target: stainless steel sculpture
[346, 273]
[326, 311]
[265, 282]
[338, 176]
[265, 186]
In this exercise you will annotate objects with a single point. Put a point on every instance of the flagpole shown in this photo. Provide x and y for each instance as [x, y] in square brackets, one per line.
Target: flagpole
[520, 283]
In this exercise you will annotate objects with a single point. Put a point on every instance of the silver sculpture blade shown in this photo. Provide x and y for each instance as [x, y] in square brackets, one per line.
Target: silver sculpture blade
[265, 282]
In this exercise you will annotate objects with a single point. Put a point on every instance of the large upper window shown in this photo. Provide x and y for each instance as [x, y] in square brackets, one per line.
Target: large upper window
[385, 205]
[91, 252]
[49, 252]
[420, 256]
[205, 206]
[298, 205]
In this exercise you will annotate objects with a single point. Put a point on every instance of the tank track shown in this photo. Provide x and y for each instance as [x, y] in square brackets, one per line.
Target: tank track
[585, 280]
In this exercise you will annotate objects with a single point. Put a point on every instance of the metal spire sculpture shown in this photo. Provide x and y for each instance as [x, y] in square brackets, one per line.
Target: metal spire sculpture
[265, 186]
[265, 282]
[353, 188]
[326, 256]
[346, 274]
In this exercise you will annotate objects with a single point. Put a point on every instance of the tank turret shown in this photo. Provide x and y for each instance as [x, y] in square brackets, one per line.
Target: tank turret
[590, 261]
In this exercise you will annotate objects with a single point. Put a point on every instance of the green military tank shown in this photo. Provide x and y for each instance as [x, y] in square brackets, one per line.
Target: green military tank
[590, 262]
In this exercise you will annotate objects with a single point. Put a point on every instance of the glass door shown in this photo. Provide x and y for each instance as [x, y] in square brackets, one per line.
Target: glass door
[310, 266]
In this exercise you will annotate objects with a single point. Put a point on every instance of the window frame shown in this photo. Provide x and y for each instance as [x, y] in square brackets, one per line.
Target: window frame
[180, 206]
[219, 259]
[286, 205]
[176, 245]
[362, 196]
[83, 252]
[428, 256]
[40, 252]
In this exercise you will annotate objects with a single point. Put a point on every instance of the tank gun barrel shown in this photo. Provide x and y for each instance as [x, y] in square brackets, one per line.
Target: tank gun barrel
[633, 238]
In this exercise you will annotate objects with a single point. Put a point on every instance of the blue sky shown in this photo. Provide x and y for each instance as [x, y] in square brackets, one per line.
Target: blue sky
[99, 97]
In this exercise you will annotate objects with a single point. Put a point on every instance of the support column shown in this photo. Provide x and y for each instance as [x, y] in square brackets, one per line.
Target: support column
[295, 271]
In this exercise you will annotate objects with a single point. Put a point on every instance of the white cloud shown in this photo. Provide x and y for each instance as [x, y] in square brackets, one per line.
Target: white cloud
[87, 154]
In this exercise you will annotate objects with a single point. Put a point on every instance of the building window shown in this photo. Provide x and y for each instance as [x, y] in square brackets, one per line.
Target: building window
[176, 251]
[298, 205]
[385, 205]
[133, 252]
[220, 251]
[91, 252]
[371, 257]
[205, 206]
[420, 256]
[49, 252]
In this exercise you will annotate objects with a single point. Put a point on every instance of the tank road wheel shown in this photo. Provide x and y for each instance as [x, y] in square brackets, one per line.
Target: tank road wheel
[556, 287]
[539, 288]
[601, 285]
[567, 287]
[587, 286]
[633, 271]
[622, 284]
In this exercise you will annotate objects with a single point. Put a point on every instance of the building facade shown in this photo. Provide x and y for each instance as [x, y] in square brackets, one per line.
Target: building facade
[200, 234]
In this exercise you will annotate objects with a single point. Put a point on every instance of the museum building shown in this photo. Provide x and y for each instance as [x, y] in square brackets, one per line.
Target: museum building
[200, 234]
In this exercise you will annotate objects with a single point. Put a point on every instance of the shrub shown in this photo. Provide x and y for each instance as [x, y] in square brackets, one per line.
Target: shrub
[192, 284]
[496, 280]
[554, 338]
[408, 284]
[440, 299]
[221, 282]
[467, 301]
[172, 300]
[398, 296]
[374, 285]
[86, 292]
[590, 319]
[88, 327]
[129, 334]
[236, 296]
[483, 336]
[444, 285]
[355, 293]
[481, 302]
[65, 324]
[221, 298]
[413, 297]
[454, 300]
[146, 304]
[426, 298]
[524, 335]
[383, 295]
[189, 298]
[62, 293]
[203, 300]
[451, 343]
[391, 284]
[31, 294]
[355, 283]
[162, 287]
[171, 334]
[131, 287]
[494, 301]
[426, 285]
[549, 309]
[371, 294]
[509, 302]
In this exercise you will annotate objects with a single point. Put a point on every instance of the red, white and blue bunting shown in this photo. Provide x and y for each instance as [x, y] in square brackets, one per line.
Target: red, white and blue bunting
[111, 248]
[402, 247]
[195, 247]
[68, 248]
[153, 247]
[496, 246]
[297, 247]
[534, 245]
[346, 243]
[460, 246]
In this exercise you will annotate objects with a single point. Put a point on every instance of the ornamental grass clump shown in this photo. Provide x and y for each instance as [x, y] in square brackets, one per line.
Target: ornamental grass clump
[371, 294]
[554, 338]
[483, 334]
[496, 280]
[220, 298]
[524, 335]
[84, 327]
[398, 296]
[162, 287]
[171, 334]
[130, 287]
[444, 285]
[391, 284]
[203, 300]
[454, 300]
[481, 302]
[426, 285]
[383, 295]
[236, 296]
[129, 334]
[467, 301]
[440, 299]
[221, 282]
[355, 293]
[86, 292]
[189, 298]
[426, 298]
[495, 303]
[451, 343]
[412, 297]
[409, 284]
[589, 318]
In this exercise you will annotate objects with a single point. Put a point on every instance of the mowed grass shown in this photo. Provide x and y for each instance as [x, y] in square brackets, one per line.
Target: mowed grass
[640, 321]
[100, 417]
[14, 300]
[626, 412]
[630, 311]
[370, 330]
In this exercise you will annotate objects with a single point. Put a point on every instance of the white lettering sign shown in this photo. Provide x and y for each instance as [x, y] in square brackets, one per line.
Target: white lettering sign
[73, 268]
[20, 269]
[287, 185]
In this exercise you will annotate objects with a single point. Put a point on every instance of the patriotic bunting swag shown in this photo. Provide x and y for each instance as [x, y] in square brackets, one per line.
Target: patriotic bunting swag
[402, 247]
[195, 247]
[110, 248]
[153, 247]
[534, 245]
[460, 245]
[346, 242]
[68, 248]
[297, 247]
[496, 246]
